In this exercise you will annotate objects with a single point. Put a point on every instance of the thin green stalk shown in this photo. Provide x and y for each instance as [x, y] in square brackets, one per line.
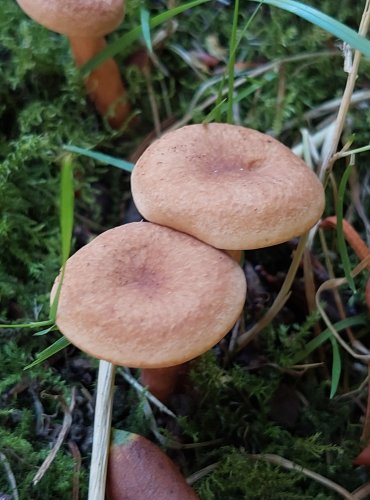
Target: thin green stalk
[231, 65]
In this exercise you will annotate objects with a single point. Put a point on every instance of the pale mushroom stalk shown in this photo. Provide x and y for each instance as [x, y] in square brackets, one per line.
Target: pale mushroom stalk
[102, 428]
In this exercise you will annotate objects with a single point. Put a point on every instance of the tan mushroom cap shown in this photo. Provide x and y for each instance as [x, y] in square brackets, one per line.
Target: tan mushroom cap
[146, 296]
[232, 187]
[79, 18]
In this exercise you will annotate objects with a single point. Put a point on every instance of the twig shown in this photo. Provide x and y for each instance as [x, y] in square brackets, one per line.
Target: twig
[102, 427]
[288, 464]
[67, 422]
[346, 99]
[361, 493]
[280, 300]
[10, 476]
[143, 390]
[201, 473]
[330, 284]
[76, 472]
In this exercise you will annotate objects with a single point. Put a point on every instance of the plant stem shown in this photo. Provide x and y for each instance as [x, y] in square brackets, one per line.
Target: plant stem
[280, 300]
[346, 100]
[102, 427]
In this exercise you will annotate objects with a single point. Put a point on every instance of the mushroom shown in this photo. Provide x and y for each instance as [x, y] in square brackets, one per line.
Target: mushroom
[229, 186]
[146, 296]
[85, 22]
[139, 470]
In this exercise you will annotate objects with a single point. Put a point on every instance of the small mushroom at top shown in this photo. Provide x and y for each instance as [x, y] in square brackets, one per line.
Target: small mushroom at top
[85, 23]
[230, 186]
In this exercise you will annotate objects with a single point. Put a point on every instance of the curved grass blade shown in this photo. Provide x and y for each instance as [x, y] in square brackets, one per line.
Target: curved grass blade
[51, 328]
[145, 28]
[66, 206]
[323, 21]
[66, 223]
[32, 324]
[129, 38]
[231, 63]
[336, 367]
[342, 246]
[57, 346]
[103, 158]
[325, 335]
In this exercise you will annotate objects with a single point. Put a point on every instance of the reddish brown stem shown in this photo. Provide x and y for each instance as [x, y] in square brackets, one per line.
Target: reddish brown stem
[351, 235]
[104, 84]
[354, 239]
[161, 382]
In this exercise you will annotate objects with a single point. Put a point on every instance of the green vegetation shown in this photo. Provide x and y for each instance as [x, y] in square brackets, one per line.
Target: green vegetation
[235, 409]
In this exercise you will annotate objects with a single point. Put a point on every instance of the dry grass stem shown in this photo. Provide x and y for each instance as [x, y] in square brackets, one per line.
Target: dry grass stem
[143, 390]
[329, 285]
[288, 464]
[346, 99]
[67, 422]
[280, 299]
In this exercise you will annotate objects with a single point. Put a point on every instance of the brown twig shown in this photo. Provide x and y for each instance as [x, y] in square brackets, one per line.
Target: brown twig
[351, 235]
[76, 472]
[288, 464]
[346, 99]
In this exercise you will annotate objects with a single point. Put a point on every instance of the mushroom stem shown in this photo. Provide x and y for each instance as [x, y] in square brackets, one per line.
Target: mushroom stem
[102, 428]
[104, 84]
[161, 382]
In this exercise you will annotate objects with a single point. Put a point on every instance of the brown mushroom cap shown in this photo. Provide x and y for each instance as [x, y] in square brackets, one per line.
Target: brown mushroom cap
[80, 18]
[232, 187]
[140, 470]
[146, 296]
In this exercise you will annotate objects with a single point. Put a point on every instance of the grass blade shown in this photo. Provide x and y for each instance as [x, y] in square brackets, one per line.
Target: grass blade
[342, 246]
[32, 324]
[325, 335]
[145, 28]
[323, 21]
[57, 346]
[66, 206]
[129, 38]
[66, 223]
[231, 63]
[336, 367]
[51, 328]
[103, 158]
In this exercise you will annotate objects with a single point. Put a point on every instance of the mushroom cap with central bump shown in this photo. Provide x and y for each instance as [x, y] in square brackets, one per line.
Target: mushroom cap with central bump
[146, 296]
[230, 186]
[76, 18]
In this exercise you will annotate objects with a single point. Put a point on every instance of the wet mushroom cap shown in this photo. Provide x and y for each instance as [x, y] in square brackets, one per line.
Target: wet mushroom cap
[76, 18]
[146, 296]
[230, 186]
